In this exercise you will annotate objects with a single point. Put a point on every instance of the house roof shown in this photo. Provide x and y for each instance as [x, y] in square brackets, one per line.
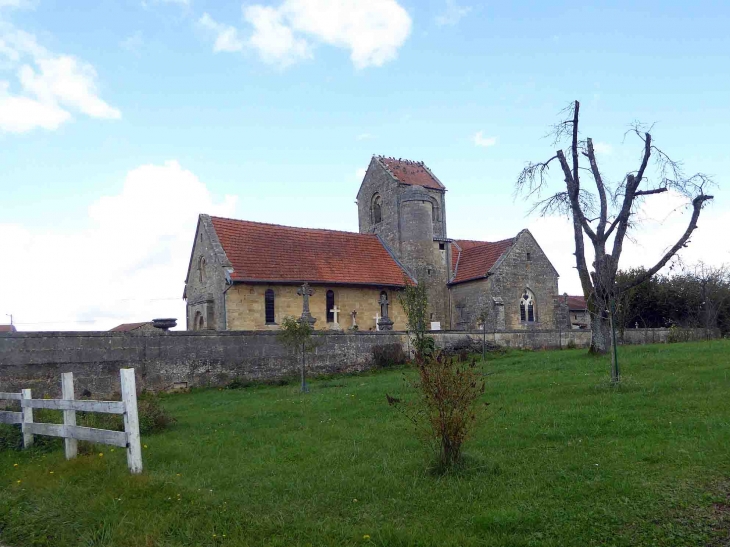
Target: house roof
[8, 328]
[261, 252]
[473, 259]
[126, 327]
[577, 303]
[411, 172]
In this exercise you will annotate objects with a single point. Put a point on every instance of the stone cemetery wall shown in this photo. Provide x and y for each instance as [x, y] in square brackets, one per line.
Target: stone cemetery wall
[175, 360]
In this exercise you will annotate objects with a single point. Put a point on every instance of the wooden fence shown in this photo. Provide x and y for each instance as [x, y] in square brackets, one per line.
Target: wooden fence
[69, 431]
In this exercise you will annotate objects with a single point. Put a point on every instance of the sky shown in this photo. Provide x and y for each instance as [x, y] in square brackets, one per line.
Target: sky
[121, 121]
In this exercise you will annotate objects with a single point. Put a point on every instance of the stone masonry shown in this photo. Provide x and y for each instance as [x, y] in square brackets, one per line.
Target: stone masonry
[175, 359]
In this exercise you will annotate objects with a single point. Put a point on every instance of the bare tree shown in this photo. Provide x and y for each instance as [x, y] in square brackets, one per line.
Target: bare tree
[608, 211]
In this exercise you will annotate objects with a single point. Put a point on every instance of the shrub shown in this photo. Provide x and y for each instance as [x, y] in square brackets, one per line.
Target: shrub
[445, 408]
[571, 344]
[388, 354]
[469, 346]
[152, 417]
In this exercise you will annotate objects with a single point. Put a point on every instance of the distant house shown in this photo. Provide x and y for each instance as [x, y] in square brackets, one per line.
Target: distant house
[8, 328]
[578, 310]
[136, 328]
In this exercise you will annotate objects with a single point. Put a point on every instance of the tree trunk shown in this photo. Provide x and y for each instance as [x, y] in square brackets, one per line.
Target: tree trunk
[600, 334]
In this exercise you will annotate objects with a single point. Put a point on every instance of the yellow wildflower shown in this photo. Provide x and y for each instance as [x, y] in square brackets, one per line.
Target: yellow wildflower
[101, 454]
[366, 537]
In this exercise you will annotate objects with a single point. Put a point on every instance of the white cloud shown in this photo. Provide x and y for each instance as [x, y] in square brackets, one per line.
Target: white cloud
[603, 148]
[17, 4]
[51, 86]
[127, 265]
[273, 39]
[481, 140]
[226, 36]
[372, 31]
[22, 114]
[452, 14]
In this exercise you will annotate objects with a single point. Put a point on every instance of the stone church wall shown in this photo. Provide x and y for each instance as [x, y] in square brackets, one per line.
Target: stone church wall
[181, 359]
[205, 297]
[515, 273]
[468, 301]
[246, 311]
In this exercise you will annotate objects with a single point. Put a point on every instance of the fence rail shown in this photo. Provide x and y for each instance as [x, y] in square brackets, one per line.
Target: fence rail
[72, 433]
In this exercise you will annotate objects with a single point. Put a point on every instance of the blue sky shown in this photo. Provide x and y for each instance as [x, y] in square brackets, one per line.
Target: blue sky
[120, 121]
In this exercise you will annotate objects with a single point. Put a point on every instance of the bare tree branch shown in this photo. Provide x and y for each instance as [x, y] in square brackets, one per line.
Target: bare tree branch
[649, 192]
[600, 230]
[697, 204]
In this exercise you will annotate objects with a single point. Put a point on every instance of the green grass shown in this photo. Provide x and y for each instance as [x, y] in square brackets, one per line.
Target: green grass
[564, 460]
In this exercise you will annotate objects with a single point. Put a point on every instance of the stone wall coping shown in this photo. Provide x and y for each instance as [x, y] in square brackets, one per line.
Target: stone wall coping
[110, 334]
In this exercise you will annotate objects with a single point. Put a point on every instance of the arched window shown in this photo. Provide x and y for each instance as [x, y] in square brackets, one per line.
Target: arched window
[377, 209]
[435, 212]
[330, 306]
[201, 269]
[198, 321]
[528, 311]
[269, 306]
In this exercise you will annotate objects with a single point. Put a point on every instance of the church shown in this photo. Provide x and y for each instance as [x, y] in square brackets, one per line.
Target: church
[247, 275]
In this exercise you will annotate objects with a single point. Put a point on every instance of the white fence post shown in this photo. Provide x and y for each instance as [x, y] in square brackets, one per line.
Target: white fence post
[131, 420]
[27, 419]
[69, 416]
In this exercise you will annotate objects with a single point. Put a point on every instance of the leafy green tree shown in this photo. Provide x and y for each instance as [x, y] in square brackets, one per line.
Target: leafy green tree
[297, 335]
[414, 301]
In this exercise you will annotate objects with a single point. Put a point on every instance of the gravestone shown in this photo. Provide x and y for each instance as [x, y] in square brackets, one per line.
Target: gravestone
[305, 291]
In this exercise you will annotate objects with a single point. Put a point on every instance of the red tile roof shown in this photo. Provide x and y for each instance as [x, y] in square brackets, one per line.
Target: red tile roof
[8, 328]
[411, 172]
[577, 303]
[269, 252]
[126, 327]
[473, 259]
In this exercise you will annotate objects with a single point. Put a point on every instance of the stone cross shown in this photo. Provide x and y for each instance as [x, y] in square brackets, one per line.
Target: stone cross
[377, 318]
[305, 291]
[383, 305]
[384, 323]
[335, 311]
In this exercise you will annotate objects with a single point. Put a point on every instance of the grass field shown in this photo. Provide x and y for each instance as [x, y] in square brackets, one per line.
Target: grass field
[564, 460]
